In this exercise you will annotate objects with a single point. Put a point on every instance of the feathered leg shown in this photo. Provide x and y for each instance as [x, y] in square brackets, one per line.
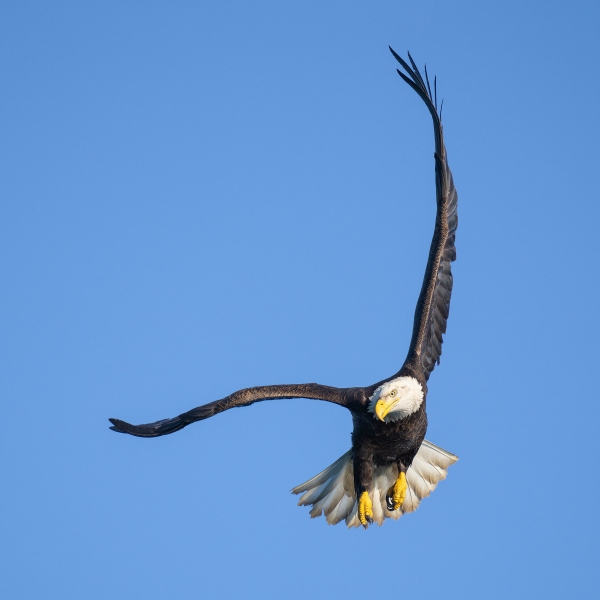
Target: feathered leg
[363, 481]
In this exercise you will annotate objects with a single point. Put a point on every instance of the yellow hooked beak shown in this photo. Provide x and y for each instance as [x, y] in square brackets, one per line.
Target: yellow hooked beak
[382, 408]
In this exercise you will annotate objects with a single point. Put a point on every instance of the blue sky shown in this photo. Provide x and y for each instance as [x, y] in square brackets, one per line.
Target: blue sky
[202, 196]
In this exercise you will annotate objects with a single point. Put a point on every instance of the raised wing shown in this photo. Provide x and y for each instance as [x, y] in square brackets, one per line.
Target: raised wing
[346, 397]
[431, 313]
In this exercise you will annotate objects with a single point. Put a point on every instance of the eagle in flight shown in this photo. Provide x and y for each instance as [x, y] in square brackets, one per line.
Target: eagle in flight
[391, 466]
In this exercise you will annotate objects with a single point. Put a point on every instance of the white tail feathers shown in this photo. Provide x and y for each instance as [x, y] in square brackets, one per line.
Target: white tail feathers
[332, 491]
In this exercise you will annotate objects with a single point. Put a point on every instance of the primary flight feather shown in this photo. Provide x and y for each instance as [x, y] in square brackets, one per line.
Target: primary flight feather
[391, 467]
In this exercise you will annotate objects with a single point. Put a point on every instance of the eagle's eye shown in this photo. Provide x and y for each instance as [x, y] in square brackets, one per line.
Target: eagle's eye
[393, 393]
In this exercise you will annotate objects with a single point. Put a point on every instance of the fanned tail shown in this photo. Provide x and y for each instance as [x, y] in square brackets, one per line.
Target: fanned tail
[331, 492]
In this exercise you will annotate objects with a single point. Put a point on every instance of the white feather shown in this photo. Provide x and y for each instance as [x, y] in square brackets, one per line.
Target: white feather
[331, 492]
[405, 394]
[352, 518]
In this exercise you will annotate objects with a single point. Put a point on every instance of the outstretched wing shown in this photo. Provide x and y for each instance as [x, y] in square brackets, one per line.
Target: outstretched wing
[431, 313]
[342, 396]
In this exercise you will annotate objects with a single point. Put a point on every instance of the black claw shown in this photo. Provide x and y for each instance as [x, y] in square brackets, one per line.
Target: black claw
[369, 520]
[390, 503]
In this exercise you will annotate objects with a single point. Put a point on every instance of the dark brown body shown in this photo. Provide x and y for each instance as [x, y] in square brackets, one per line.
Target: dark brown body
[378, 444]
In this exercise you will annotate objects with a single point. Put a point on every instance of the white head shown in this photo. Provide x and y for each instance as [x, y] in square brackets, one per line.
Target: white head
[396, 399]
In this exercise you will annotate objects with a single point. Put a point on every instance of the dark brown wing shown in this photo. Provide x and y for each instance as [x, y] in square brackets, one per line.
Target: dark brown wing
[343, 397]
[433, 305]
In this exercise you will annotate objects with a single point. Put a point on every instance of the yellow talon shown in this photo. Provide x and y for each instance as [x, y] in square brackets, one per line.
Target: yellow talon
[365, 509]
[397, 493]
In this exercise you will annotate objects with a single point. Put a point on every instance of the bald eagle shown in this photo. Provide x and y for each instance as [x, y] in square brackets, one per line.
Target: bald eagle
[391, 466]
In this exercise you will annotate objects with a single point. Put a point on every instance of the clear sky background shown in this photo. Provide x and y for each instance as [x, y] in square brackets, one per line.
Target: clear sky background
[202, 196]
